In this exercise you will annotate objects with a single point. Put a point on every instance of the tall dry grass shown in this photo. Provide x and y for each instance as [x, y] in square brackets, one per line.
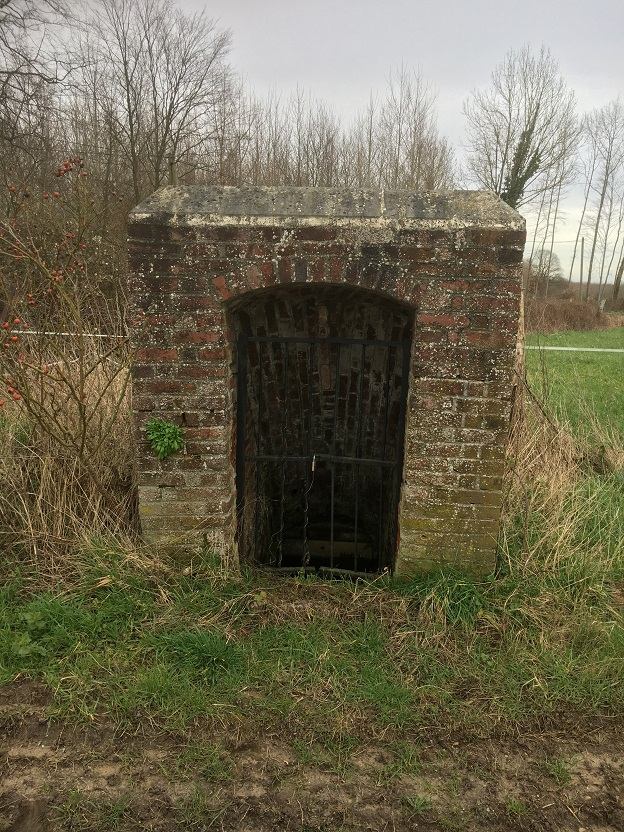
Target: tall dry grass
[564, 507]
[56, 497]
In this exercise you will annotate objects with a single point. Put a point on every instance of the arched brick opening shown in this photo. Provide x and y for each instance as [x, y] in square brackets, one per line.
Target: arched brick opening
[322, 383]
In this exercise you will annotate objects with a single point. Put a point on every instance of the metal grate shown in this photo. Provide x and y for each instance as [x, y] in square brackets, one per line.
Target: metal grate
[320, 436]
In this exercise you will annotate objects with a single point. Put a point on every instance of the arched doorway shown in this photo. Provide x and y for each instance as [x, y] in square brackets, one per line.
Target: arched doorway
[322, 385]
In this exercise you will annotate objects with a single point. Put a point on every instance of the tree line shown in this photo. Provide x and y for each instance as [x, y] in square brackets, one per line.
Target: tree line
[137, 88]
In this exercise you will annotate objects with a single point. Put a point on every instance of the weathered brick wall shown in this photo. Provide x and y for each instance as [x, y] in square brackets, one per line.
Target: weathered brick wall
[452, 260]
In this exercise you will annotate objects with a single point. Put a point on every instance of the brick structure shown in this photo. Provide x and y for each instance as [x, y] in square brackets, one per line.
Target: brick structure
[441, 271]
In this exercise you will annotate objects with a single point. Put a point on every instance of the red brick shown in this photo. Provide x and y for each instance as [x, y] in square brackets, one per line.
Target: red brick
[172, 387]
[195, 304]
[153, 354]
[268, 273]
[221, 286]
[314, 233]
[212, 354]
[443, 320]
[336, 270]
[197, 337]
[500, 237]
[509, 256]
[492, 340]
[284, 269]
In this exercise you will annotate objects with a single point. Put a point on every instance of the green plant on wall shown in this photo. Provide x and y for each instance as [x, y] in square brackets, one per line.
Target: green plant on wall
[164, 437]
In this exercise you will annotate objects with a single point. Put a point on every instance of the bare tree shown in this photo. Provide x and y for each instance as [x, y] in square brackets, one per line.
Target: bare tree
[395, 142]
[522, 129]
[29, 73]
[604, 142]
[24, 44]
[160, 70]
[619, 274]
[541, 271]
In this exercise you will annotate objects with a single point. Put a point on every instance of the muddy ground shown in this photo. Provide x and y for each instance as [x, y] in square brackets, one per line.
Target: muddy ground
[568, 775]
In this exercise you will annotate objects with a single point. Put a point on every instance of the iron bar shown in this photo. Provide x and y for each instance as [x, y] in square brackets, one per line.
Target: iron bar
[283, 465]
[258, 444]
[358, 448]
[309, 480]
[349, 460]
[390, 353]
[241, 434]
[296, 339]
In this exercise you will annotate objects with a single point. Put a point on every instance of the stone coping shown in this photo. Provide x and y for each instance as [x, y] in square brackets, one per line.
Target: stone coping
[205, 205]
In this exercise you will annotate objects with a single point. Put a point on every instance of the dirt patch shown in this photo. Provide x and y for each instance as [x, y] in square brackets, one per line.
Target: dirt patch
[54, 776]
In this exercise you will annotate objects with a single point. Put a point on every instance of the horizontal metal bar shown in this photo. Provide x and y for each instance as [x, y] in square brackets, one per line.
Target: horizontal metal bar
[347, 573]
[273, 339]
[322, 571]
[347, 460]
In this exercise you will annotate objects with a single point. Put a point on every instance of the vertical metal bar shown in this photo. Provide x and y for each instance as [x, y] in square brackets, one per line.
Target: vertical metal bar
[241, 433]
[260, 394]
[309, 464]
[284, 453]
[333, 468]
[380, 531]
[382, 554]
[387, 403]
[405, 367]
[358, 453]
[258, 443]
[310, 398]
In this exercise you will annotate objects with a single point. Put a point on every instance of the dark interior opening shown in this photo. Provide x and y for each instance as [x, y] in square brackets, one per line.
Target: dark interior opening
[322, 377]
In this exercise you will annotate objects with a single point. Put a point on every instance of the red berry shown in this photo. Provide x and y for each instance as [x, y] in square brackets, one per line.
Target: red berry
[45, 196]
[10, 389]
[56, 194]
[16, 396]
[14, 338]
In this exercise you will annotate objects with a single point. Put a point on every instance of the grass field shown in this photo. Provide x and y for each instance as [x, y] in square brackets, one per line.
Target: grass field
[137, 693]
[580, 386]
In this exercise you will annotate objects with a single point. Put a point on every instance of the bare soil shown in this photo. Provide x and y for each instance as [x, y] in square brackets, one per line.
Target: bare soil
[56, 776]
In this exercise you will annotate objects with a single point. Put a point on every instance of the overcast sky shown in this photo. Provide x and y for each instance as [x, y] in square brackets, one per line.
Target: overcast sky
[341, 50]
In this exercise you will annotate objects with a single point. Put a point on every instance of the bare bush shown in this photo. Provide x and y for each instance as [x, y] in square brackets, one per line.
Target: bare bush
[64, 370]
[557, 314]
